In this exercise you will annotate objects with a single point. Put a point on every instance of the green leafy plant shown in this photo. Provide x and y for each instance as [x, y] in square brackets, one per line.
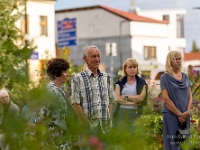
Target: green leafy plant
[13, 57]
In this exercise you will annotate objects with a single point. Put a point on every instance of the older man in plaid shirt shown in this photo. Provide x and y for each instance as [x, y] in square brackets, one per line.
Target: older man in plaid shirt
[92, 93]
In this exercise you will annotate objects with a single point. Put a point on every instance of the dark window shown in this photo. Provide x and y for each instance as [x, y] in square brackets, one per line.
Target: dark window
[43, 25]
[149, 52]
[24, 22]
[24, 27]
[159, 75]
[166, 17]
[180, 26]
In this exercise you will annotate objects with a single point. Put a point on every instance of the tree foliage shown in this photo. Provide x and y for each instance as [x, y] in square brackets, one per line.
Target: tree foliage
[13, 57]
[14, 76]
[194, 47]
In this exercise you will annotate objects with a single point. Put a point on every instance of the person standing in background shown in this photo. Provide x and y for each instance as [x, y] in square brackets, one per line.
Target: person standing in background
[192, 74]
[177, 97]
[9, 112]
[56, 112]
[131, 95]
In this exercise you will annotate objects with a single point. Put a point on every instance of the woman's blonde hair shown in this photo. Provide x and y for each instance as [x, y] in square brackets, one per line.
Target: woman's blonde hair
[169, 60]
[129, 62]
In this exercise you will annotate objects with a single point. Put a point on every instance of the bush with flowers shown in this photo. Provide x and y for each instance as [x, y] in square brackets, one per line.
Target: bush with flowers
[155, 99]
[195, 88]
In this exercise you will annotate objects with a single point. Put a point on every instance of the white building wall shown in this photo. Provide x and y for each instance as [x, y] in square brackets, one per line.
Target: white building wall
[138, 43]
[149, 29]
[192, 62]
[173, 42]
[35, 9]
[149, 34]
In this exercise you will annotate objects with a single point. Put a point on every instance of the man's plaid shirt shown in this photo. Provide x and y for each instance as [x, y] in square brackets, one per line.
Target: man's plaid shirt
[94, 94]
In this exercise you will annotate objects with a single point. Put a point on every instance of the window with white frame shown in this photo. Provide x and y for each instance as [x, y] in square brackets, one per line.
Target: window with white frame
[180, 26]
[24, 27]
[24, 24]
[43, 25]
[149, 52]
[111, 49]
[166, 17]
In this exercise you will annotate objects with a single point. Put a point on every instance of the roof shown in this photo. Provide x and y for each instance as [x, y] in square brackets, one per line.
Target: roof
[192, 56]
[126, 15]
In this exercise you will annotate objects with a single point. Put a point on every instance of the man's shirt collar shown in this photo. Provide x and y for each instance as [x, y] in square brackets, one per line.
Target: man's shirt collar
[91, 74]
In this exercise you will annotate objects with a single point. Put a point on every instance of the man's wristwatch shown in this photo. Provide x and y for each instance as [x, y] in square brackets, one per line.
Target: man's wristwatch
[126, 97]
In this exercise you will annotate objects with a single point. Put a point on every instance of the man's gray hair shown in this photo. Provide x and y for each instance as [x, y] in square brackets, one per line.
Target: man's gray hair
[3, 91]
[85, 51]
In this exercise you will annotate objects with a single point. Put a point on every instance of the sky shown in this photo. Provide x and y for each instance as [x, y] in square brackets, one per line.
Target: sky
[192, 17]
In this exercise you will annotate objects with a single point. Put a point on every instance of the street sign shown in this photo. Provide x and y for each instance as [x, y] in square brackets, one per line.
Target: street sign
[66, 33]
[34, 56]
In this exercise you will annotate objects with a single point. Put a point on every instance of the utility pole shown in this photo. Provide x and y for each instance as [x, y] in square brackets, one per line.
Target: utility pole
[111, 60]
[26, 23]
[25, 37]
[120, 41]
[196, 8]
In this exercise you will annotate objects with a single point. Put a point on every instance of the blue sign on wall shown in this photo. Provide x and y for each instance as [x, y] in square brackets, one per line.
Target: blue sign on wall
[66, 32]
[34, 56]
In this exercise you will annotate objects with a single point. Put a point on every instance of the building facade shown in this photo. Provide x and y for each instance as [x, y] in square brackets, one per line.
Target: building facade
[121, 35]
[38, 27]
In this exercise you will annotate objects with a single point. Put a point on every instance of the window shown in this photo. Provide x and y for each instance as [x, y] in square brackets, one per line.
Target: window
[24, 27]
[149, 52]
[111, 49]
[24, 22]
[166, 17]
[180, 26]
[43, 25]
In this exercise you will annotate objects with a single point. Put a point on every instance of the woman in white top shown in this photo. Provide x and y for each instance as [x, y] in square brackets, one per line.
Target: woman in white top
[130, 94]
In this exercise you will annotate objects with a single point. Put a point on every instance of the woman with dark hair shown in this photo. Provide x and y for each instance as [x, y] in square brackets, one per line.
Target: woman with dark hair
[54, 113]
[57, 70]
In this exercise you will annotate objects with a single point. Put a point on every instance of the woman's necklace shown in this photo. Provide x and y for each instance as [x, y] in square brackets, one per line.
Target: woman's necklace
[177, 75]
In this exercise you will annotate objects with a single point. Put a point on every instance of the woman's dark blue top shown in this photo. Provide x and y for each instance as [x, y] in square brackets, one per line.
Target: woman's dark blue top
[177, 90]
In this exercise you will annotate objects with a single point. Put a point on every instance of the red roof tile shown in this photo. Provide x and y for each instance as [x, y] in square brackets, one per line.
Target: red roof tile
[127, 15]
[192, 56]
[132, 16]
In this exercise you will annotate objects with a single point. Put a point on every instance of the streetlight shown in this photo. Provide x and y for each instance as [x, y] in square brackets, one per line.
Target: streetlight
[120, 40]
[26, 36]
[26, 28]
[196, 8]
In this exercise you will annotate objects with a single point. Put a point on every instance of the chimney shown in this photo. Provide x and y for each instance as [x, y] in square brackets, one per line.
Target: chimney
[133, 8]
